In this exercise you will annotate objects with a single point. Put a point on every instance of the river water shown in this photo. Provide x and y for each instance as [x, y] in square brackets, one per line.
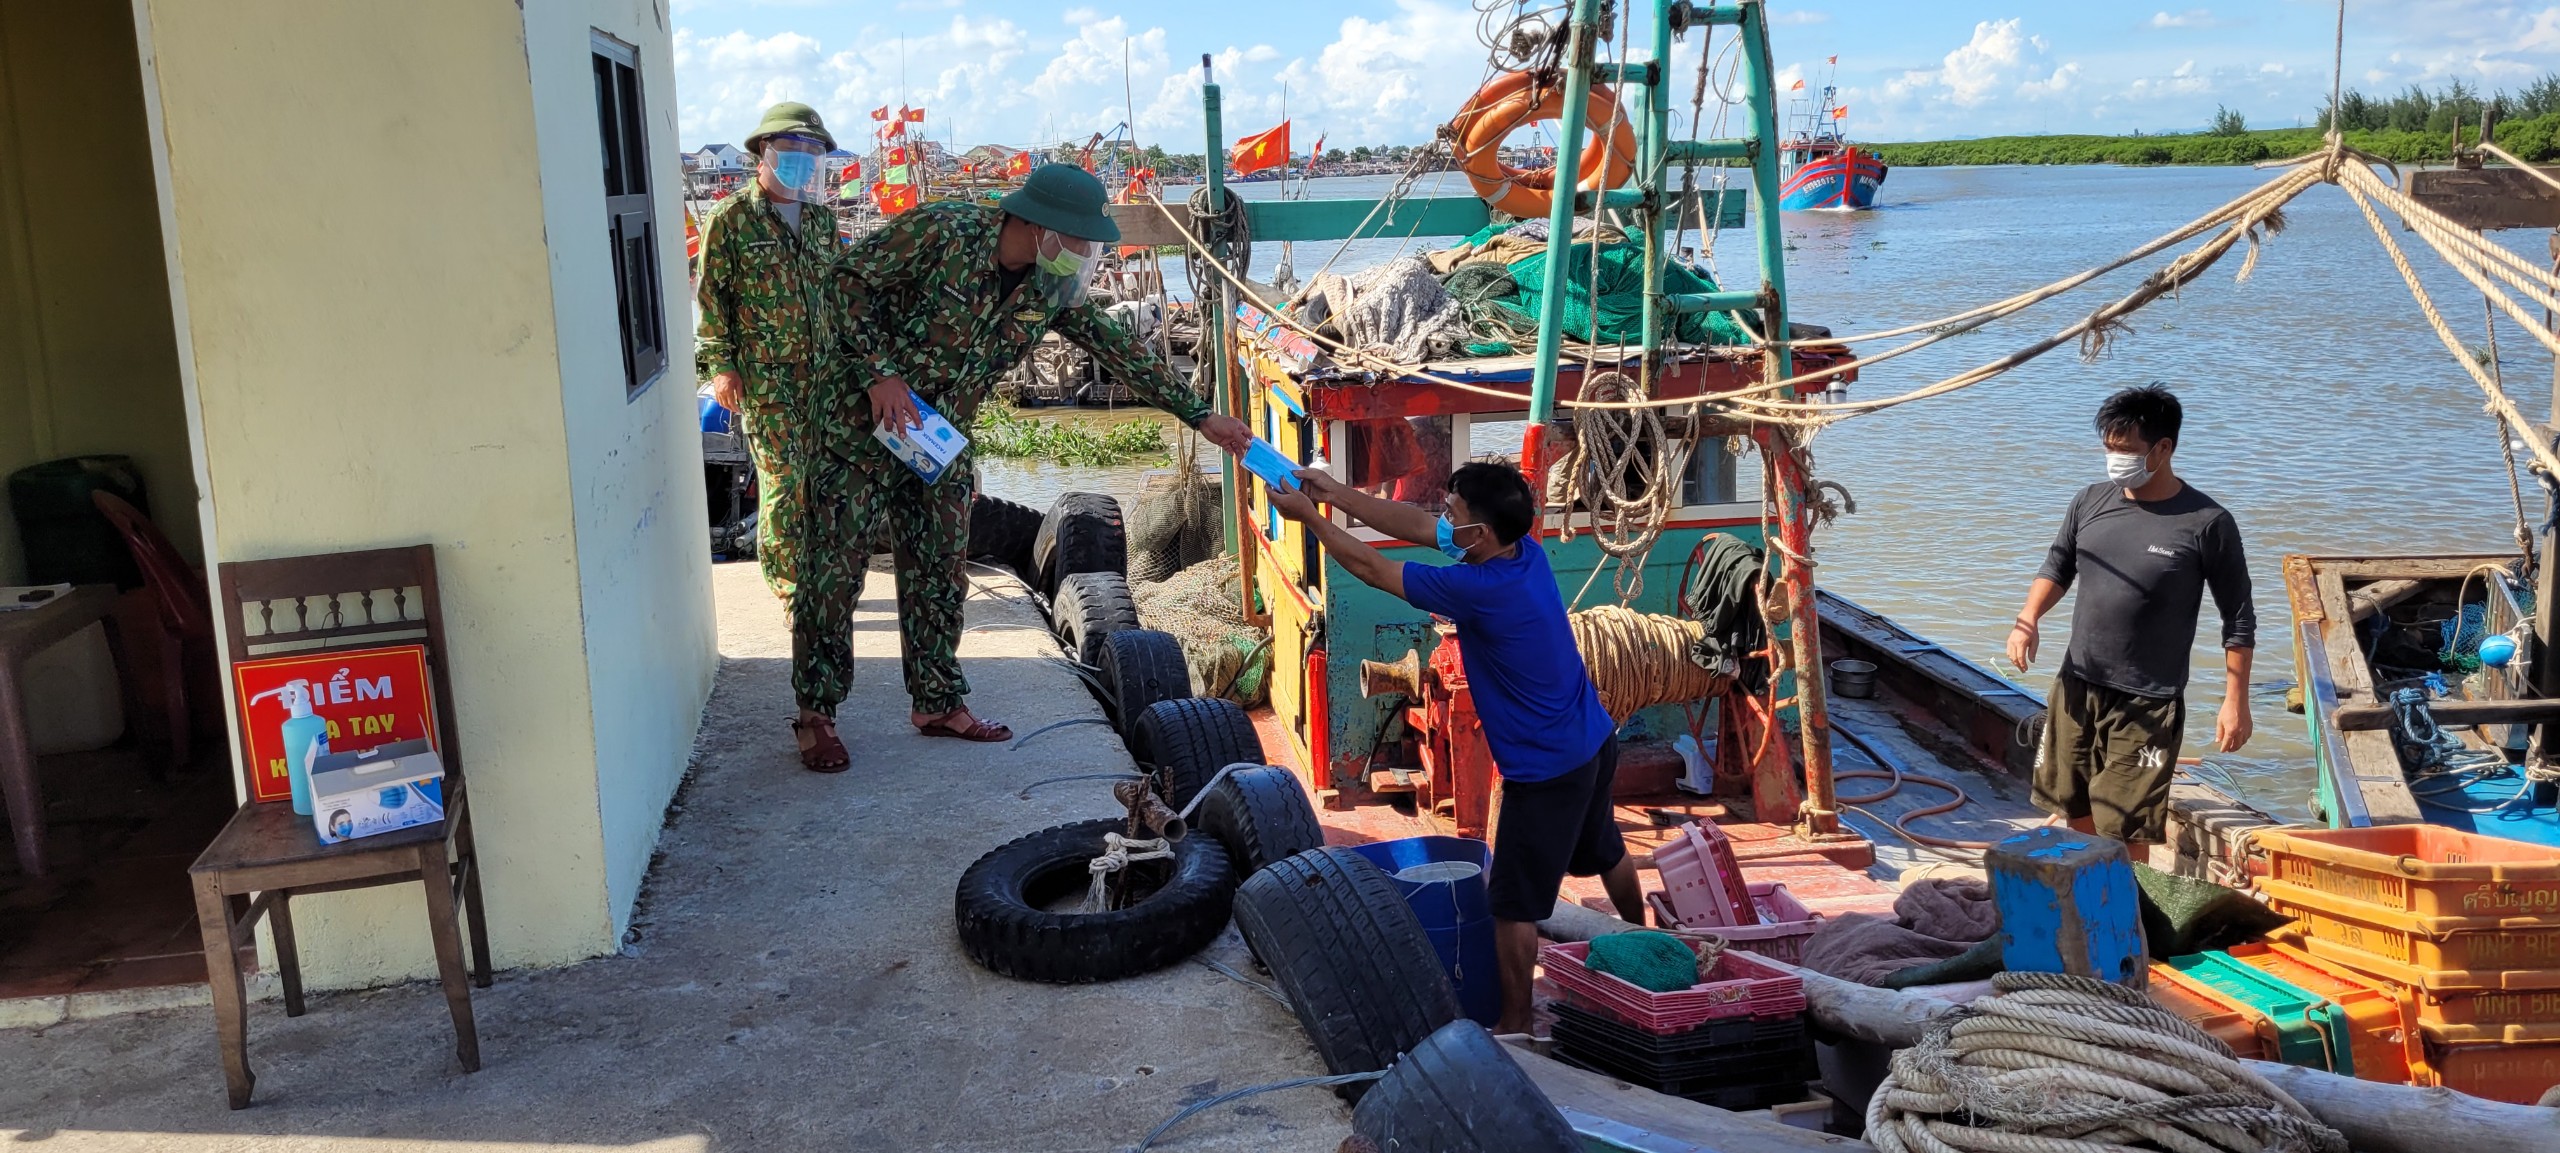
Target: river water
[2320, 408]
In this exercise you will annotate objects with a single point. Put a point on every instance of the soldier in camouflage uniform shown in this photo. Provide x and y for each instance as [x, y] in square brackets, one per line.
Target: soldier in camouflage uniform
[766, 332]
[938, 305]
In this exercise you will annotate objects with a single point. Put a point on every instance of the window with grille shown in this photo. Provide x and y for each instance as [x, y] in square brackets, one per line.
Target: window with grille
[631, 224]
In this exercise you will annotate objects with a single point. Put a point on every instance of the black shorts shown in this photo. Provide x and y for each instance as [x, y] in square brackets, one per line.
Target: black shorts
[2108, 756]
[1550, 828]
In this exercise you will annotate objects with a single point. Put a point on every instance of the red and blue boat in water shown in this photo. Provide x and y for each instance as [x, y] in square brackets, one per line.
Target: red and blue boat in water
[1819, 168]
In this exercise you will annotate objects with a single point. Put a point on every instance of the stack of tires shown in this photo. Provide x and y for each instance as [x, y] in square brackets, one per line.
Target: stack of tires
[1338, 939]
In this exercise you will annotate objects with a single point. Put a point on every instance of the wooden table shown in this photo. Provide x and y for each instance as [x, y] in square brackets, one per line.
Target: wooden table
[23, 634]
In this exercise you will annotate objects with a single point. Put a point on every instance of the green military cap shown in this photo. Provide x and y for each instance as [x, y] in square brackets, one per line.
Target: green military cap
[790, 116]
[1063, 198]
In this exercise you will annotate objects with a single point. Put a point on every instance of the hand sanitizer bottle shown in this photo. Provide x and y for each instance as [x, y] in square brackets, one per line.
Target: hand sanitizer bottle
[306, 738]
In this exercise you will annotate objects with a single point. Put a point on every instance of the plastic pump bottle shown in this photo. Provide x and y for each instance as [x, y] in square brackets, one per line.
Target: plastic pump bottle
[306, 738]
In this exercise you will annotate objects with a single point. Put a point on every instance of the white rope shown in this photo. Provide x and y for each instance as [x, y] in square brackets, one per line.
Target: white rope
[2057, 1064]
[1119, 852]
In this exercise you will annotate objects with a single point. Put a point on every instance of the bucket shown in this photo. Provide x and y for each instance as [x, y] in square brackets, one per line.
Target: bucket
[1442, 879]
[1854, 679]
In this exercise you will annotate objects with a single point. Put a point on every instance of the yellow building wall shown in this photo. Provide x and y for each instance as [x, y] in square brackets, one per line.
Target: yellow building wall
[88, 353]
[365, 288]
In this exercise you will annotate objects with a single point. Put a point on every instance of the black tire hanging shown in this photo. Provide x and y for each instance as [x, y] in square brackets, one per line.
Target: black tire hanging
[1138, 668]
[1349, 955]
[1185, 742]
[1005, 925]
[1082, 533]
[1088, 608]
[1261, 815]
[1460, 1092]
[1002, 531]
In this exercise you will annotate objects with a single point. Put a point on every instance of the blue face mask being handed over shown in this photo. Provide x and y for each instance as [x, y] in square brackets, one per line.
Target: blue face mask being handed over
[1449, 546]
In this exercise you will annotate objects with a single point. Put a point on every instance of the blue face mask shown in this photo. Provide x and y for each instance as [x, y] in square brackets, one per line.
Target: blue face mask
[797, 171]
[1449, 546]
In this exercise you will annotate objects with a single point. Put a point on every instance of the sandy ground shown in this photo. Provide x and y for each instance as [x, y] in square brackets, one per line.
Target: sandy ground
[793, 981]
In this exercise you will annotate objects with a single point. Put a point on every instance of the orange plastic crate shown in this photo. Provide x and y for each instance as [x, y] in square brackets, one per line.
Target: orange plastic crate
[2382, 1014]
[2423, 870]
[2450, 996]
[2517, 1073]
[2426, 942]
[2233, 1025]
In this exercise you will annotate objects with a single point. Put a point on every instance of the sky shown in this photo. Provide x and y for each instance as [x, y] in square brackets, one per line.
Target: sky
[1390, 71]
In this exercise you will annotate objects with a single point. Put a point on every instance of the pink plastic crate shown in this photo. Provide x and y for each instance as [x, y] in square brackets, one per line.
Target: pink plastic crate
[1782, 927]
[1701, 879]
[1738, 985]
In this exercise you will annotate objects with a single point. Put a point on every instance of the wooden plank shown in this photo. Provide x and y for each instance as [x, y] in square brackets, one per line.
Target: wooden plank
[1673, 1117]
[2373, 767]
[2438, 566]
[2452, 713]
[2301, 588]
[2487, 198]
[2382, 594]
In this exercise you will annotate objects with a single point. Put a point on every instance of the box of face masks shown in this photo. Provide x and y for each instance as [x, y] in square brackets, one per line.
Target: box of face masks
[928, 448]
[378, 790]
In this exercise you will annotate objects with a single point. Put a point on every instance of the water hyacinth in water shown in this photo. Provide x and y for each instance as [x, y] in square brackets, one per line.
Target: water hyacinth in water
[1004, 432]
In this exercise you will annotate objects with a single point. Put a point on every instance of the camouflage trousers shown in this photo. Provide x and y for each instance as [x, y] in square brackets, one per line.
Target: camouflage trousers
[852, 505]
[779, 426]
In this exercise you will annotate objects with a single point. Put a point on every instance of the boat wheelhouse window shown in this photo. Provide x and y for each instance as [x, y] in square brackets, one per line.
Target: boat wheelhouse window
[1712, 478]
[1400, 458]
[631, 226]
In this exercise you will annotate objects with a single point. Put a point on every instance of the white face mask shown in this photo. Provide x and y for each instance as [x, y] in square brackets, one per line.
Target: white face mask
[2127, 469]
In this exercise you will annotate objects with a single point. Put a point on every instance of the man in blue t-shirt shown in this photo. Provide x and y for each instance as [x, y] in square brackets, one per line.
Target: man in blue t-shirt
[1555, 746]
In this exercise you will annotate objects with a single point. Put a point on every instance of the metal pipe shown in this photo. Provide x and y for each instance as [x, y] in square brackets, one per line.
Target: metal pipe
[1654, 131]
[1214, 163]
[1579, 39]
[1726, 148]
[1728, 300]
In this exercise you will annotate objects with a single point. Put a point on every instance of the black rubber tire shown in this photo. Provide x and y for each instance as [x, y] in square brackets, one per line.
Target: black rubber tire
[1349, 955]
[1082, 533]
[1089, 607]
[1001, 532]
[1261, 815]
[1140, 667]
[1460, 1092]
[1004, 925]
[1185, 742]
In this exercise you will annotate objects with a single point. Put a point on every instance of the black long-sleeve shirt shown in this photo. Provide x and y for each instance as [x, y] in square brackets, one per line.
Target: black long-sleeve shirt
[2142, 567]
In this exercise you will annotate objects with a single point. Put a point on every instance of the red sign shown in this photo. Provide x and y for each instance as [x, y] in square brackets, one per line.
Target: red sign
[369, 697]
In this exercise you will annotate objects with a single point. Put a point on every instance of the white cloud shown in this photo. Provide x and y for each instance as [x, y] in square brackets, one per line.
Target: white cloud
[2191, 18]
[2056, 83]
[2184, 80]
[2275, 68]
[1078, 17]
[1974, 72]
[1799, 16]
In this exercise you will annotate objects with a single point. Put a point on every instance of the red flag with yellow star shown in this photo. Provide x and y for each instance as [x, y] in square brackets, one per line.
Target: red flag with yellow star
[1261, 150]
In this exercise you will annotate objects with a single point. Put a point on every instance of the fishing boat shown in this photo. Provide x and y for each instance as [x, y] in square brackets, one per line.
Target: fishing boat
[1819, 168]
[1368, 700]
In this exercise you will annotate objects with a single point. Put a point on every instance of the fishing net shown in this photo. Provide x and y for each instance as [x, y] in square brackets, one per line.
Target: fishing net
[1645, 959]
[1203, 608]
[1397, 309]
[1174, 526]
[1500, 303]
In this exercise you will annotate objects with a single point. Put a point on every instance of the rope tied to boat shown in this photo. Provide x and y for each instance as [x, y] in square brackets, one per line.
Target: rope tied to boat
[1118, 853]
[2059, 1064]
[1637, 660]
[1625, 471]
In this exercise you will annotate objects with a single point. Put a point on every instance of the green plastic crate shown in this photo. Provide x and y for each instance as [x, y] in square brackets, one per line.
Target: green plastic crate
[2311, 1030]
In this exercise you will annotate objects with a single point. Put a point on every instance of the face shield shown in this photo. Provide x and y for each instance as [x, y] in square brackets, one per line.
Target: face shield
[1066, 267]
[793, 160]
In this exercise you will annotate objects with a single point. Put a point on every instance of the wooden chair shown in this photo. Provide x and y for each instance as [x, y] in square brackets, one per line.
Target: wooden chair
[267, 854]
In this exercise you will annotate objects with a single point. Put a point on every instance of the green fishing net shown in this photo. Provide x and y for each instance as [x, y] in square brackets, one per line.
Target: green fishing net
[1502, 302]
[1646, 960]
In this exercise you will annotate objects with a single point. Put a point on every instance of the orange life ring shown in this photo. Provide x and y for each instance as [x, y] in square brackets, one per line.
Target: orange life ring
[1515, 99]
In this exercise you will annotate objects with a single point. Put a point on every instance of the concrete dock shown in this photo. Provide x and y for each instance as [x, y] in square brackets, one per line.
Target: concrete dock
[791, 981]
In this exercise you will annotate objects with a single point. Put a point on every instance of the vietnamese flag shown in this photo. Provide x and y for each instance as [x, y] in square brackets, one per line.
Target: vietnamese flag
[893, 199]
[852, 171]
[1840, 113]
[1020, 165]
[1798, 86]
[880, 113]
[912, 115]
[1261, 150]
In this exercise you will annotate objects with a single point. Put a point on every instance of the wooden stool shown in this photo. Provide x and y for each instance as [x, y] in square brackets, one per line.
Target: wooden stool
[271, 851]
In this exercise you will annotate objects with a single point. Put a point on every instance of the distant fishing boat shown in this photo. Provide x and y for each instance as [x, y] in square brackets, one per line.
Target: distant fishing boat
[1817, 165]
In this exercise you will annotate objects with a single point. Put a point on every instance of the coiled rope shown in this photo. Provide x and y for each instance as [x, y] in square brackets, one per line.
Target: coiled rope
[1626, 472]
[1638, 660]
[2060, 1064]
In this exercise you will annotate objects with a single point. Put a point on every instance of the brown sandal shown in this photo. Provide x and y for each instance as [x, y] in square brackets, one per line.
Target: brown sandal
[825, 753]
[982, 731]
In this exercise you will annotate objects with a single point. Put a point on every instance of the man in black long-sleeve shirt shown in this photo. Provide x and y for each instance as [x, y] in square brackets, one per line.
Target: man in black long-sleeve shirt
[2143, 546]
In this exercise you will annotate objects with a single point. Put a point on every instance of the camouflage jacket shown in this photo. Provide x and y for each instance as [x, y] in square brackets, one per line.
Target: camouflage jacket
[923, 301]
[764, 288]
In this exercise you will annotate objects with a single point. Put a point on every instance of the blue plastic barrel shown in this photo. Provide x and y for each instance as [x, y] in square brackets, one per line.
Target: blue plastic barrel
[1443, 880]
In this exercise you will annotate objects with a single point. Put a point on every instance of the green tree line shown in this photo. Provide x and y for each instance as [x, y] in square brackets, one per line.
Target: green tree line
[2414, 127]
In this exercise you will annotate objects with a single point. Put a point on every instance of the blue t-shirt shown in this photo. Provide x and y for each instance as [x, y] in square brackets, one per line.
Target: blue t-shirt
[1542, 718]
